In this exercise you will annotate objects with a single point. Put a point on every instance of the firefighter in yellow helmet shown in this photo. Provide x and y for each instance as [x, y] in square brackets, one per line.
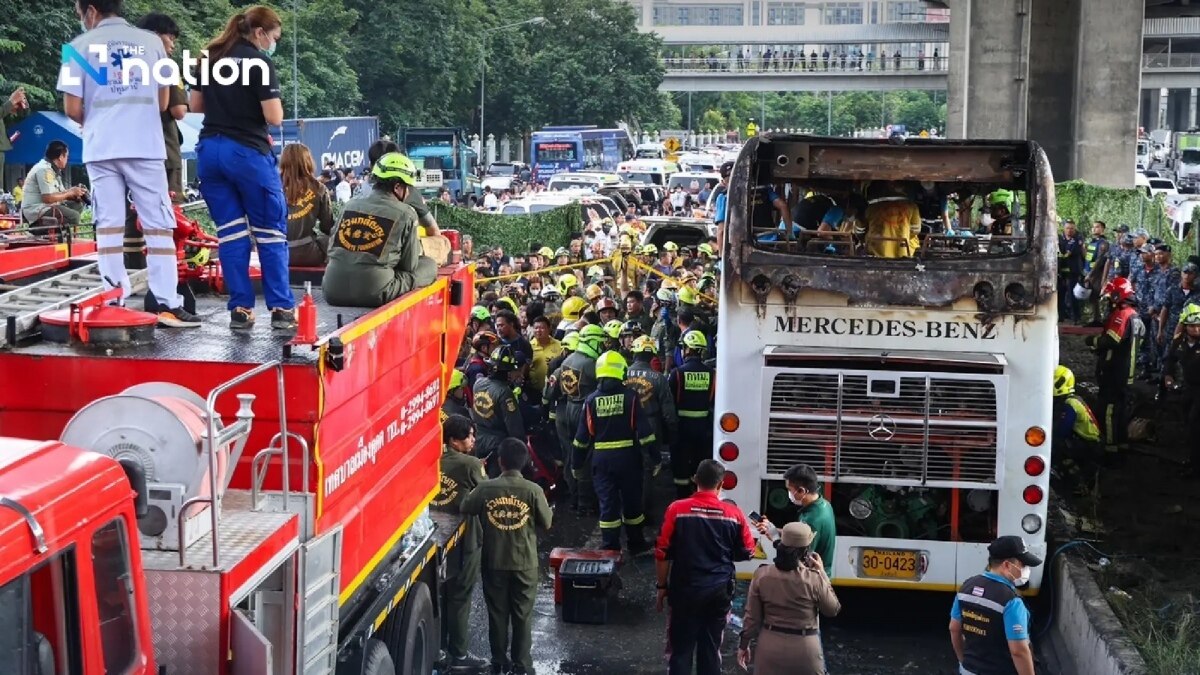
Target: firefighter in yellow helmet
[457, 402]
[615, 431]
[693, 386]
[593, 293]
[659, 406]
[572, 309]
[1076, 432]
[568, 285]
[574, 382]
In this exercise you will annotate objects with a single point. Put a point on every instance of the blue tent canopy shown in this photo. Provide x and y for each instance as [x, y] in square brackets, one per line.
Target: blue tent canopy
[40, 128]
[37, 130]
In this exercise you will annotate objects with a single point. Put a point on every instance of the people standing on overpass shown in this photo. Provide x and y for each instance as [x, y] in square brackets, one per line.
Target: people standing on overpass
[241, 181]
[989, 622]
[700, 540]
[510, 508]
[783, 608]
[897, 57]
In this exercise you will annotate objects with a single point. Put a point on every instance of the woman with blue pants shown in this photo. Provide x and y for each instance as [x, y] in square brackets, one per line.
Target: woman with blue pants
[237, 169]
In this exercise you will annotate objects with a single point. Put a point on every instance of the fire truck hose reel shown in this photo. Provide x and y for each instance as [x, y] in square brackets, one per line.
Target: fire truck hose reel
[157, 430]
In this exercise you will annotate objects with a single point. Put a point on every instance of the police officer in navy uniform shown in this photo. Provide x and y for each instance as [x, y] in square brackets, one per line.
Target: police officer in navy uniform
[615, 429]
[989, 622]
[461, 472]
[494, 407]
[692, 385]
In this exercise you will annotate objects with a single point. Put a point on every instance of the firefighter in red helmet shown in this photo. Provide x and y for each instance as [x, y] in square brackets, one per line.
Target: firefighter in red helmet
[1116, 362]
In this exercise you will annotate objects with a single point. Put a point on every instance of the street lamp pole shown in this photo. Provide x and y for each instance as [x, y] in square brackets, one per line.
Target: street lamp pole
[537, 20]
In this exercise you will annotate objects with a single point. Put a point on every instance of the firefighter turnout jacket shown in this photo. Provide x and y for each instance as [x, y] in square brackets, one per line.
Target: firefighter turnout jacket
[613, 419]
[1116, 350]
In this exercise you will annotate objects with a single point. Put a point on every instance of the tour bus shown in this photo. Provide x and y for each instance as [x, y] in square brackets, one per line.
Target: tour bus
[917, 386]
[578, 148]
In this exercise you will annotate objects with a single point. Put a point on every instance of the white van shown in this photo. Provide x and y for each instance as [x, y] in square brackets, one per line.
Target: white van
[652, 171]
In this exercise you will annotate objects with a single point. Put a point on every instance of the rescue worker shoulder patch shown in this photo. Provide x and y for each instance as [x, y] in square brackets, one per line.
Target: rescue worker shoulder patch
[363, 233]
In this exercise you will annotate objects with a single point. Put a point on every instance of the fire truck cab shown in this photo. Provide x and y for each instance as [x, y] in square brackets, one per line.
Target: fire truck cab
[209, 503]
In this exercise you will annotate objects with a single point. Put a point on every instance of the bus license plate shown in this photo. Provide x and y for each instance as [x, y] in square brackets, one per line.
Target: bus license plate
[887, 564]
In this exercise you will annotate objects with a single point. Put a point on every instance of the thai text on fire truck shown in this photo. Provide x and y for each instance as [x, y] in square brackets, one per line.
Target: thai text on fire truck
[409, 415]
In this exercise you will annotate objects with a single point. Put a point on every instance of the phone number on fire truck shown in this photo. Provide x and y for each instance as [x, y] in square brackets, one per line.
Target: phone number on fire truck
[411, 413]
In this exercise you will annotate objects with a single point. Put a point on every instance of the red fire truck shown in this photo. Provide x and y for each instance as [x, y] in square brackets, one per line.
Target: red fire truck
[205, 502]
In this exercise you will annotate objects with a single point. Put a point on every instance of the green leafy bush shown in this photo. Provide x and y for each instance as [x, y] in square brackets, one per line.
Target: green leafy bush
[515, 233]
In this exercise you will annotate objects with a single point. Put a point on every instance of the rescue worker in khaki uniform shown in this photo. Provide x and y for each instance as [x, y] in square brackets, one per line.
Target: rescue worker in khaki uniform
[375, 255]
[658, 405]
[45, 192]
[989, 623]
[461, 472]
[693, 386]
[509, 507]
[783, 608]
[1076, 433]
[576, 381]
[615, 431]
[494, 406]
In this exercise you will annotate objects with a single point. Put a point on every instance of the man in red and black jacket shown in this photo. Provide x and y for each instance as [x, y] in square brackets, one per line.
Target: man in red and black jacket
[1116, 362]
[701, 539]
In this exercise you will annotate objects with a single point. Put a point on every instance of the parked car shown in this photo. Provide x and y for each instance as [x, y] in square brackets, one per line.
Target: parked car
[1162, 186]
[683, 231]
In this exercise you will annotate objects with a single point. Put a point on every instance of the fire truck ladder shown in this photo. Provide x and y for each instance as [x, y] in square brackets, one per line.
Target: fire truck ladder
[19, 308]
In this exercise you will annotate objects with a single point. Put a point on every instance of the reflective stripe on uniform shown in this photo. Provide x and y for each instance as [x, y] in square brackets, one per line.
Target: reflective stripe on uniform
[610, 445]
[635, 521]
[694, 414]
[609, 524]
[982, 602]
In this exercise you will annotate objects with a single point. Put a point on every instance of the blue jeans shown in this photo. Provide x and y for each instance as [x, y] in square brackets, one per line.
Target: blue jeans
[245, 198]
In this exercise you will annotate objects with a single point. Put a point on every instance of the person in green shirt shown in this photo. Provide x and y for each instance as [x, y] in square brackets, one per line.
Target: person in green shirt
[815, 511]
[461, 472]
[509, 508]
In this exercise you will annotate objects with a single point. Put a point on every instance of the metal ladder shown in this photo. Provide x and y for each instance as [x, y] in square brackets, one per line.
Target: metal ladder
[19, 308]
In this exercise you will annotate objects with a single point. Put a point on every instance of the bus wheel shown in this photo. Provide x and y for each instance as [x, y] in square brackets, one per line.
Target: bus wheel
[419, 634]
[377, 660]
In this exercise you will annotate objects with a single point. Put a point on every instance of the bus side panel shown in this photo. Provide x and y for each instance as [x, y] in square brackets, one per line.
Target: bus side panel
[378, 440]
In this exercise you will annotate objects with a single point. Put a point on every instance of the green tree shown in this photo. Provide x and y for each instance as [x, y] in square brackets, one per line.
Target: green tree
[712, 120]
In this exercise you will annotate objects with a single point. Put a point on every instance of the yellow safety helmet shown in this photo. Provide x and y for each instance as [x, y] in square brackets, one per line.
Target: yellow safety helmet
[457, 379]
[611, 364]
[570, 341]
[546, 252]
[671, 246]
[394, 165]
[694, 339]
[688, 296]
[649, 249]
[1064, 381]
[595, 272]
[198, 256]
[510, 303]
[706, 249]
[644, 344]
[593, 293]
[613, 329]
[1190, 316]
[574, 307]
[566, 282]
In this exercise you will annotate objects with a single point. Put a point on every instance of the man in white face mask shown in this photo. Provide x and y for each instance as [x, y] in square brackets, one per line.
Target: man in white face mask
[989, 601]
[814, 510]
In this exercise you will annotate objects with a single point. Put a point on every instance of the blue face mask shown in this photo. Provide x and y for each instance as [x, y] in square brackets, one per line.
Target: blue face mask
[270, 51]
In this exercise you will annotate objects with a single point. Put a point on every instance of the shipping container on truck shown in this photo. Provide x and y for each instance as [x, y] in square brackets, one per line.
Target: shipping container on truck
[341, 140]
[208, 503]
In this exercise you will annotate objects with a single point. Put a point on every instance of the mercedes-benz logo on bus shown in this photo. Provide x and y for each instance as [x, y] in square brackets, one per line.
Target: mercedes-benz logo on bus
[881, 427]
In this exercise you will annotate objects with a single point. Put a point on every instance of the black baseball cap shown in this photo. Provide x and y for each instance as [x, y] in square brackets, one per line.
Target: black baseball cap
[1163, 248]
[726, 169]
[1012, 546]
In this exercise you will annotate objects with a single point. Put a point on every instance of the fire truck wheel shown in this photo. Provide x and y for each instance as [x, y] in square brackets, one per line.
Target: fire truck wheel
[417, 646]
[377, 660]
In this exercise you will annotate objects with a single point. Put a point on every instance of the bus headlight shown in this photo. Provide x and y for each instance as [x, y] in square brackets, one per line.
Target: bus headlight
[1031, 523]
[860, 508]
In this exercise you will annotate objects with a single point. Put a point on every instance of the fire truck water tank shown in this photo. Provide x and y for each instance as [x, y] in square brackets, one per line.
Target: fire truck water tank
[159, 428]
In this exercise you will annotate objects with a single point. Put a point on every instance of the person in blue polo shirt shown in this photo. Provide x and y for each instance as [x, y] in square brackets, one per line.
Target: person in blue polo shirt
[988, 601]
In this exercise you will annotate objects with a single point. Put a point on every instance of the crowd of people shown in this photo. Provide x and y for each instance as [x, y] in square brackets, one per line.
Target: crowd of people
[793, 59]
[1148, 309]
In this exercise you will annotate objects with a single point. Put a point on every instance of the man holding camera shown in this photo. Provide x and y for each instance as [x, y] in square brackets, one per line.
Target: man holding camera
[45, 193]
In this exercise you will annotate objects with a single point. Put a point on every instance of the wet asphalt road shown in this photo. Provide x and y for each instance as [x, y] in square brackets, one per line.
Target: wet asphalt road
[877, 634]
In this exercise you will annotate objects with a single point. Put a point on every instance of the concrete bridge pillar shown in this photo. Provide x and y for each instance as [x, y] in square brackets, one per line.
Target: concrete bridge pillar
[1066, 73]
[1151, 109]
[1180, 109]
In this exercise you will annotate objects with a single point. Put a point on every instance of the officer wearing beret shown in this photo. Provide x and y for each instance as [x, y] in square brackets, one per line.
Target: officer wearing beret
[989, 623]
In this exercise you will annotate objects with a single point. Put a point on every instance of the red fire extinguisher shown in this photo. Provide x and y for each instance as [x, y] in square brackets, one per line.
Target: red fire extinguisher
[306, 318]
